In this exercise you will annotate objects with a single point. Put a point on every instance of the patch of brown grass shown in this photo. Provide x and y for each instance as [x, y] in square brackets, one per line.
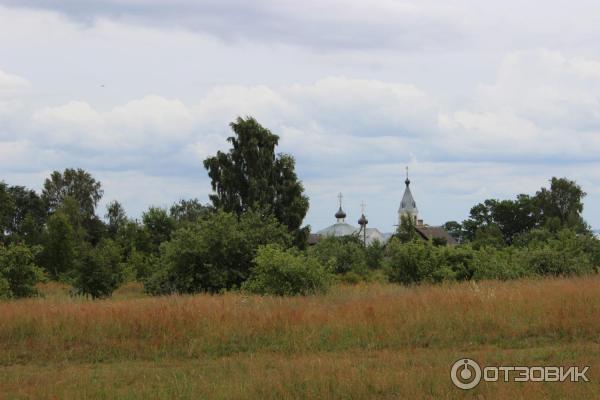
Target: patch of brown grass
[366, 341]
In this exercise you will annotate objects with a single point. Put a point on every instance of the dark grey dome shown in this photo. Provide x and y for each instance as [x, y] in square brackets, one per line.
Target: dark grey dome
[363, 220]
[340, 214]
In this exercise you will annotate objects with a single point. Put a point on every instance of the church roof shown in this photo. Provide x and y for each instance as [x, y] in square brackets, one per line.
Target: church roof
[430, 232]
[338, 229]
[344, 229]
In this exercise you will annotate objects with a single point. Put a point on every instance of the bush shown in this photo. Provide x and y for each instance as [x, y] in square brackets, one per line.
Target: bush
[342, 255]
[456, 263]
[418, 261]
[100, 270]
[286, 273]
[18, 272]
[215, 254]
[374, 254]
[503, 264]
[409, 262]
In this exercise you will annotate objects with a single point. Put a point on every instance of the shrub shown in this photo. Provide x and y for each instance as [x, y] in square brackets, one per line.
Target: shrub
[503, 264]
[374, 254]
[286, 272]
[215, 254]
[18, 272]
[342, 255]
[100, 270]
[456, 263]
[410, 262]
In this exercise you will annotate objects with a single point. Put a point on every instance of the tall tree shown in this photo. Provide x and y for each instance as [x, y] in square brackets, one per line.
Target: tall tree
[251, 176]
[29, 215]
[60, 246]
[115, 217]
[511, 217]
[22, 214]
[563, 201]
[75, 183]
[158, 225]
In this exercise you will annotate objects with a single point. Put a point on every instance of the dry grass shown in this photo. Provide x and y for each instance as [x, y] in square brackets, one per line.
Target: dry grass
[362, 342]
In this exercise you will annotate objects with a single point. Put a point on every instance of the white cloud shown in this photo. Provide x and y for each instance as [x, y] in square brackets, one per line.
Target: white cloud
[152, 122]
[12, 84]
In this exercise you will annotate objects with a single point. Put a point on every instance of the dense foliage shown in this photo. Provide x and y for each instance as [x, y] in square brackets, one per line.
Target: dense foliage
[18, 271]
[286, 273]
[100, 270]
[214, 254]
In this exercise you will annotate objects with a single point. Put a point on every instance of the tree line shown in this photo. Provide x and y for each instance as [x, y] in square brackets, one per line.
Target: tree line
[250, 236]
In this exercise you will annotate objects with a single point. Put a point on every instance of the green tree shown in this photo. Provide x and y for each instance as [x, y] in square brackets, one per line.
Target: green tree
[511, 217]
[455, 229]
[188, 211]
[564, 201]
[75, 183]
[374, 254]
[216, 253]
[342, 255]
[286, 273]
[18, 272]
[59, 246]
[252, 177]
[159, 226]
[116, 217]
[134, 236]
[407, 231]
[22, 214]
[100, 270]
[488, 236]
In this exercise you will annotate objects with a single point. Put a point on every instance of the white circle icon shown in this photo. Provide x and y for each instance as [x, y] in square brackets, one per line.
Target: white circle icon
[465, 373]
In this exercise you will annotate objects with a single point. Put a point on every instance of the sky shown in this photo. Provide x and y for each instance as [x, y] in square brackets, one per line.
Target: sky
[479, 99]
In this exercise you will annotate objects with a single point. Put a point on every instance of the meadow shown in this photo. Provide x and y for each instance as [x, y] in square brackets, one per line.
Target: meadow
[366, 341]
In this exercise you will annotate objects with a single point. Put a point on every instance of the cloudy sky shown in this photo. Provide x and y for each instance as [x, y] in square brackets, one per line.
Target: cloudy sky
[479, 99]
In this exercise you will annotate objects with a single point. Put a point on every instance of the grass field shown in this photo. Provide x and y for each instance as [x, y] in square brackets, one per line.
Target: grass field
[357, 342]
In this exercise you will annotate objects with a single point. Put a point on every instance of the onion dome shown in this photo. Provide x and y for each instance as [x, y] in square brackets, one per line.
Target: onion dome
[340, 214]
[363, 220]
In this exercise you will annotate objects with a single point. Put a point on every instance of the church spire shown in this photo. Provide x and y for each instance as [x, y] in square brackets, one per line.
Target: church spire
[408, 206]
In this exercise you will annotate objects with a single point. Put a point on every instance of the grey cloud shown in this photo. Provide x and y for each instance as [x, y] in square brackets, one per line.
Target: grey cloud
[316, 24]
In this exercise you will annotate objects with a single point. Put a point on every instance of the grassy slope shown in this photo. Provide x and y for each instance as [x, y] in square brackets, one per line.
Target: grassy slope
[362, 342]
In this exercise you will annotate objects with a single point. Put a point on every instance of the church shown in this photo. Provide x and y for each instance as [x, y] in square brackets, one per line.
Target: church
[408, 209]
